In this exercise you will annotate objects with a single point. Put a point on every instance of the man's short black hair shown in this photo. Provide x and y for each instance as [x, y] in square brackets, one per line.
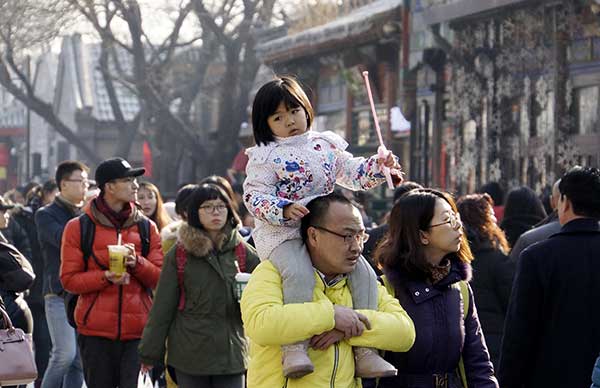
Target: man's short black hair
[318, 209]
[581, 185]
[66, 168]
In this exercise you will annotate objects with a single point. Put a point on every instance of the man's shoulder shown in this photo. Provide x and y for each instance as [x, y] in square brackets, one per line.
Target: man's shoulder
[53, 209]
[541, 233]
[555, 244]
[266, 270]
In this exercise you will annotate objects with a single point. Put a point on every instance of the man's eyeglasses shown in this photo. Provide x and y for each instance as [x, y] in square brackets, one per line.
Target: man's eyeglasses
[211, 208]
[80, 181]
[453, 220]
[360, 237]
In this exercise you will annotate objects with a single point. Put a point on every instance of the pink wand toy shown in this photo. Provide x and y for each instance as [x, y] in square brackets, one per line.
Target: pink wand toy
[382, 152]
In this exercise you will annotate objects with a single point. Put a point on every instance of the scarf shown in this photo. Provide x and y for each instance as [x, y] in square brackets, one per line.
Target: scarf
[440, 271]
[115, 218]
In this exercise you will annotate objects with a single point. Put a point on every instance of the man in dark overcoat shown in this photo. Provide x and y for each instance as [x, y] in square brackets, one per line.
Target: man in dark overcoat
[552, 332]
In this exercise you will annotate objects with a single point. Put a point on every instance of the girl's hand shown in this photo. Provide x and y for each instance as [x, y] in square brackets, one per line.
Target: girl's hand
[325, 340]
[294, 211]
[389, 161]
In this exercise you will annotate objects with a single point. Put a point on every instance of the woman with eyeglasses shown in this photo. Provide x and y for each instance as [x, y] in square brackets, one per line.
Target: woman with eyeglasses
[196, 308]
[426, 262]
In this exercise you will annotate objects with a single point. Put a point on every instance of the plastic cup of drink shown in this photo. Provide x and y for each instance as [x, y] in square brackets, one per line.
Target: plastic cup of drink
[116, 255]
[241, 280]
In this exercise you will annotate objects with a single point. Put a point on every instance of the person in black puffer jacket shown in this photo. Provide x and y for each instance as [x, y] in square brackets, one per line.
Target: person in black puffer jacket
[37, 197]
[493, 272]
[522, 211]
[16, 277]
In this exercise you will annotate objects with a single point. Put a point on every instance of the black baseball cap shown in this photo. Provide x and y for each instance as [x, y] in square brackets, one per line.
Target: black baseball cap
[115, 168]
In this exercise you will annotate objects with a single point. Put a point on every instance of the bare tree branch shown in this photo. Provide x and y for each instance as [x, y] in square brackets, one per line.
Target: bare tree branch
[45, 111]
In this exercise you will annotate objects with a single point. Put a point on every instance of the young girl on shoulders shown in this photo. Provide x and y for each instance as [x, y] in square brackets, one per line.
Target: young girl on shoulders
[290, 166]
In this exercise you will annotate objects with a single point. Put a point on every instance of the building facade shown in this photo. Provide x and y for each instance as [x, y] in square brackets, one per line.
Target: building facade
[516, 85]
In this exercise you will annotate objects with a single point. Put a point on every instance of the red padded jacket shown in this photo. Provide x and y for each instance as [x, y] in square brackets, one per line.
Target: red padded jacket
[105, 309]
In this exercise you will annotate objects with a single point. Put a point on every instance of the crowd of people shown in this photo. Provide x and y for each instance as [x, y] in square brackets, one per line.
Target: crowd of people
[448, 292]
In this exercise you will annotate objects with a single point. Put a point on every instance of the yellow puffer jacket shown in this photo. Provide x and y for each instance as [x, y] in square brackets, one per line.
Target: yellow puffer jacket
[269, 324]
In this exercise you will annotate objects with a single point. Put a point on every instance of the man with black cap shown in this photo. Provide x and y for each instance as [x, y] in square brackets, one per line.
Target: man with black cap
[112, 308]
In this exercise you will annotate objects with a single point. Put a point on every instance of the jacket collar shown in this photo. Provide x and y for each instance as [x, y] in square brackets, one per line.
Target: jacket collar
[336, 283]
[68, 206]
[421, 291]
[578, 225]
[199, 244]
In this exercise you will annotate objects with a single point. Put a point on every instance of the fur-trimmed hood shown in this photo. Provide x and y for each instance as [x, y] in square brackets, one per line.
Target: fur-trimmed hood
[171, 231]
[198, 243]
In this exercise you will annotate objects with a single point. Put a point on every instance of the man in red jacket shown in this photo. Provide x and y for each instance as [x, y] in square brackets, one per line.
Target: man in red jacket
[112, 309]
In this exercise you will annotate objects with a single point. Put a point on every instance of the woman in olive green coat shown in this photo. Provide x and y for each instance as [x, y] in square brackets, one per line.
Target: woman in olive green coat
[207, 346]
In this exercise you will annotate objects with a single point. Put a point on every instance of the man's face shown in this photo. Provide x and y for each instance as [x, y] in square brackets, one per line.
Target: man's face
[555, 196]
[123, 189]
[336, 244]
[74, 187]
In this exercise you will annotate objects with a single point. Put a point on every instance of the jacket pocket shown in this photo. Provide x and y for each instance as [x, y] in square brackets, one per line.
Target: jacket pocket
[89, 309]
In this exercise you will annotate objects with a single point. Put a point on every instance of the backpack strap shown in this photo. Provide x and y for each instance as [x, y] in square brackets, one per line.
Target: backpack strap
[388, 286]
[144, 230]
[87, 230]
[240, 253]
[180, 260]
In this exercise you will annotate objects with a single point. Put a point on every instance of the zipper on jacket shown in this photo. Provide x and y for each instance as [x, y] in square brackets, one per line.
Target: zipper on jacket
[335, 364]
[89, 310]
[120, 298]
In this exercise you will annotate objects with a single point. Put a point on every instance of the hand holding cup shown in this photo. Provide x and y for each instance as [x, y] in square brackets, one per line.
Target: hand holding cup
[118, 279]
[130, 258]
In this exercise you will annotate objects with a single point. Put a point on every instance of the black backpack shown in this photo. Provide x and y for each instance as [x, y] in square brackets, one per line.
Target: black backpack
[88, 229]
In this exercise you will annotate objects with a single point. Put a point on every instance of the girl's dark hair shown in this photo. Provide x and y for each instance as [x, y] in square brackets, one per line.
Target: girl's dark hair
[523, 201]
[160, 216]
[222, 183]
[402, 250]
[182, 199]
[207, 192]
[269, 96]
[495, 191]
[475, 212]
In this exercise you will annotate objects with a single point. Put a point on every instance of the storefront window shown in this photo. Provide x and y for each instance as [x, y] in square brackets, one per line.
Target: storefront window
[587, 109]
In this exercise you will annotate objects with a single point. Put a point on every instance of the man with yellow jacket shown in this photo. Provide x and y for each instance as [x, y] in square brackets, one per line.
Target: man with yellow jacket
[334, 235]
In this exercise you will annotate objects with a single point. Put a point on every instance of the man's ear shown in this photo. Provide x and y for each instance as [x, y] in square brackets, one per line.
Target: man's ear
[567, 205]
[311, 235]
[108, 188]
